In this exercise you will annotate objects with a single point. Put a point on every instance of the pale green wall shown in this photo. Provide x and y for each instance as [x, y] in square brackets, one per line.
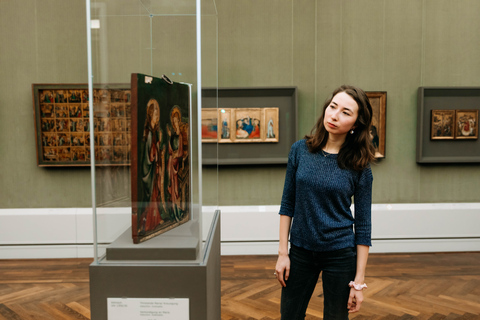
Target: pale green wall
[379, 45]
[392, 45]
[41, 41]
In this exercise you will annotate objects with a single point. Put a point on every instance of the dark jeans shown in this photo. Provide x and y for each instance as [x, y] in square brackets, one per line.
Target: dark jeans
[338, 269]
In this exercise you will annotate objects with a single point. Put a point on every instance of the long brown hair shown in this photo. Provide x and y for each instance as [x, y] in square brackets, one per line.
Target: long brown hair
[357, 151]
[152, 104]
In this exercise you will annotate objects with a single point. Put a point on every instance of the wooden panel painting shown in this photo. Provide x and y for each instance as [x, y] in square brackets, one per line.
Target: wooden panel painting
[443, 124]
[209, 125]
[225, 124]
[466, 124]
[247, 124]
[62, 126]
[160, 169]
[378, 100]
[271, 124]
[454, 124]
[240, 125]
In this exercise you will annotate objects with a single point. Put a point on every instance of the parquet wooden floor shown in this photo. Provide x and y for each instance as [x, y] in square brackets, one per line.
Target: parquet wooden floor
[433, 286]
[436, 286]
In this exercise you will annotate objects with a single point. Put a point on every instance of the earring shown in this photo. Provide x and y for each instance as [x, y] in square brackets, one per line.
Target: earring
[351, 132]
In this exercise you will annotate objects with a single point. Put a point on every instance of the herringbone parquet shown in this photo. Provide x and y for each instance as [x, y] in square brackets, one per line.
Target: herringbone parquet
[437, 286]
[417, 286]
[44, 289]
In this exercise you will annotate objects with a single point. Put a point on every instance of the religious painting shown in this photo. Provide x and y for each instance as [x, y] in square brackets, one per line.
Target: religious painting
[209, 125]
[78, 154]
[466, 124]
[442, 124]
[270, 122]
[61, 114]
[160, 155]
[378, 101]
[240, 125]
[247, 125]
[225, 125]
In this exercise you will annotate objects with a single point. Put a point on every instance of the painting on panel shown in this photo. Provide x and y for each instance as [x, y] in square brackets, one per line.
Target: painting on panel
[378, 101]
[442, 124]
[161, 159]
[61, 113]
[227, 131]
[209, 125]
[466, 124]
[270, 123]
[248, 124]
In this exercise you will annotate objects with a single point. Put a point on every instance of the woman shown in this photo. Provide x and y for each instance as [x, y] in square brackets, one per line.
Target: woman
[324, 171]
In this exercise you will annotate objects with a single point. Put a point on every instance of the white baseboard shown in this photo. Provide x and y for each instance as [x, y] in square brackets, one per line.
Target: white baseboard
[56, 251]
[425, 245]
[245, 230]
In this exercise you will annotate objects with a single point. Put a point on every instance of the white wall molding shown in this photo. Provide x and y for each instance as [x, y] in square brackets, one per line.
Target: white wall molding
[67, 232]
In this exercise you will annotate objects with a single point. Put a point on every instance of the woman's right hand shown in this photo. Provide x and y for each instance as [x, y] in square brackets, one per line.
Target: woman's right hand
[282, 269]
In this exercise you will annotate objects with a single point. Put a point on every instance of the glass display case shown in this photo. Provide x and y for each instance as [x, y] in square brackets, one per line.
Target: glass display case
[148, 61]
[158, 39]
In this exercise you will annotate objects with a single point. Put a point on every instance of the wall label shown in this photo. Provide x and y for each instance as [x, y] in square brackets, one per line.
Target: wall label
[148, 309]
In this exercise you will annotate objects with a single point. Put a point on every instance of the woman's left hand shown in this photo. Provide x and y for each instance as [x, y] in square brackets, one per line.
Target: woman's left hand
[355, 300]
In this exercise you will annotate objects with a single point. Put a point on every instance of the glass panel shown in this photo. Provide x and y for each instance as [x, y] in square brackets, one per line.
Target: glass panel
[158, 39]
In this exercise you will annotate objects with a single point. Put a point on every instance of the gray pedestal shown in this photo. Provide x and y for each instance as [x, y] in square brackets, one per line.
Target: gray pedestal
[176, 244]
[197, 280]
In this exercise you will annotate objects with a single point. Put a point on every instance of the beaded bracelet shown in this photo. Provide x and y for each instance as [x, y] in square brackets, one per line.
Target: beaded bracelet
[356, 286]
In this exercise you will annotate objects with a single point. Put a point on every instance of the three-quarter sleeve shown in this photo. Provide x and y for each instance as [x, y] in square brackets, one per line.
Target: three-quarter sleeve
[287, 206]
[363, 208]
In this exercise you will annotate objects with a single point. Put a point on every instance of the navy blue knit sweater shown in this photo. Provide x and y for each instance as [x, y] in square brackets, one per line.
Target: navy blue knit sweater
[318, 195]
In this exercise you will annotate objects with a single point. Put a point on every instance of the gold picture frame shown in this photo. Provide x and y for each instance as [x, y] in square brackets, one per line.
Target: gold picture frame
[378, 101]
[210, 125]
[270, 119]
[442, 125]
[466, 124]
[248, 125]
[225, 125]
[62, 126]
[240, 125]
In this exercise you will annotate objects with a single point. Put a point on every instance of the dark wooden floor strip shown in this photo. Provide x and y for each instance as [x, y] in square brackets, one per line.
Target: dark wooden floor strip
[8, 313]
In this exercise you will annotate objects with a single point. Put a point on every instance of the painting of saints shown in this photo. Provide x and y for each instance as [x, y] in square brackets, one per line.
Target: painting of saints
[255, 134]
[177, 151]
[442, 126]
[159, 141]
[153, 170]
[248, 128]
[466, 127]
[225, 129]
[270, 131]
[241, 132]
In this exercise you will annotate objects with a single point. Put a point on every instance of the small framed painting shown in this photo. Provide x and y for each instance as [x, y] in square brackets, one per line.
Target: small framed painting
[270, 123]
[466, 124]
[225, 124]
[378, 101]
[442, 124]
[209, 125]
[248, 124]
